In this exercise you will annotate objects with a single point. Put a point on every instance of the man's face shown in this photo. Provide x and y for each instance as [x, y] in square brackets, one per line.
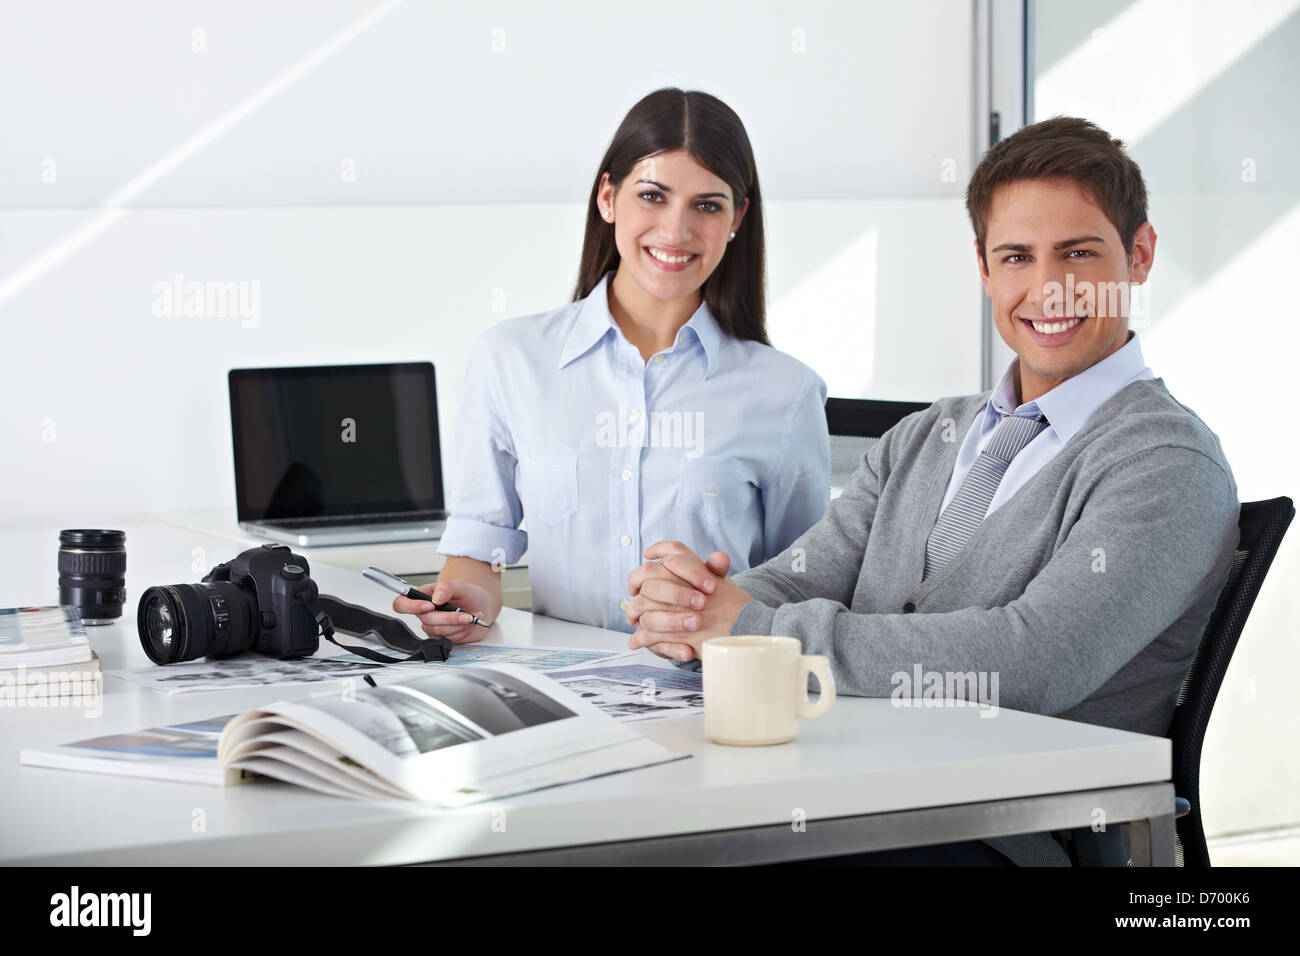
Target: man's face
[1058, 278]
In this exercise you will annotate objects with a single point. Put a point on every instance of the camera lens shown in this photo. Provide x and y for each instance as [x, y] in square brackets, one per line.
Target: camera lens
[92, 573]
[183, 622]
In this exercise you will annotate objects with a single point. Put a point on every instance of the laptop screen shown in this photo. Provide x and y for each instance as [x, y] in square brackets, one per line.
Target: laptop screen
[334, 441]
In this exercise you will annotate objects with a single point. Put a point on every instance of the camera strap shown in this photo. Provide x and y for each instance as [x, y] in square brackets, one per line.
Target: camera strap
[333, 615]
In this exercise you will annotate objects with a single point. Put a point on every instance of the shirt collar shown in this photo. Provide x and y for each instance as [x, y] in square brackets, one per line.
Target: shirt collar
[707, 333]
[1069, 405]
[595, 321]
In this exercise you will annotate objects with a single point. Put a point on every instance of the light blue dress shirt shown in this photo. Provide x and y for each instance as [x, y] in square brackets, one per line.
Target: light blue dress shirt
[715, 442]
[1067, 407]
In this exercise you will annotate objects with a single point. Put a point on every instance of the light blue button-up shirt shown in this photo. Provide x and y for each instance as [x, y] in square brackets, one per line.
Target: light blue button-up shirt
[715, 442]
[1067, 407]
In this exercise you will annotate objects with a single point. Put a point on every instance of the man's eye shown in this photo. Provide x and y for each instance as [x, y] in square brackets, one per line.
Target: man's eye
[1083, 252]
[1011, 258]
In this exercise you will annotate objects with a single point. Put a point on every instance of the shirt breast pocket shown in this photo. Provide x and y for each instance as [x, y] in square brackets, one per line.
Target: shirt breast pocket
[548, 488]
[716, 489]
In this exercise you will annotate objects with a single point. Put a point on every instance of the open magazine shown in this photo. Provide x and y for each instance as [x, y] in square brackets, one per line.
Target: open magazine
[452, 737]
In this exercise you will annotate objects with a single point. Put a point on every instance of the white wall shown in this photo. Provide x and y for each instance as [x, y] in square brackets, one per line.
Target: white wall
[111, 411]
[396, 177]
[466, 103]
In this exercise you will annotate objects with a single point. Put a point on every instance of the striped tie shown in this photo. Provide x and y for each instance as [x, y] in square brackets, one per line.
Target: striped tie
[971, 503]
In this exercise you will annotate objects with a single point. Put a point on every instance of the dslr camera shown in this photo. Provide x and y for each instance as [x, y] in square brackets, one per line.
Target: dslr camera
[262, 600]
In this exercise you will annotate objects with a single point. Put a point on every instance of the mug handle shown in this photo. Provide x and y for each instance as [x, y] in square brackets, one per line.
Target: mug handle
[818, 666]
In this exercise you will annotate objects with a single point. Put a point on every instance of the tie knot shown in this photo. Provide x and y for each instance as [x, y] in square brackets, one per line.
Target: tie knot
[1013, 433]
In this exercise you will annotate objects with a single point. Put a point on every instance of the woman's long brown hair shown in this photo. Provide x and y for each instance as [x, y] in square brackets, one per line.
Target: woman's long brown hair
[671, 119]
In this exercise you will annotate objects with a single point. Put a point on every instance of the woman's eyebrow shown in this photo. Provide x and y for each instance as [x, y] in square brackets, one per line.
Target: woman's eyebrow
[699, 196]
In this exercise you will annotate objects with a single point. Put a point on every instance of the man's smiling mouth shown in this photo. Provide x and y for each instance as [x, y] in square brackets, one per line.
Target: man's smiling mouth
[1053, 326]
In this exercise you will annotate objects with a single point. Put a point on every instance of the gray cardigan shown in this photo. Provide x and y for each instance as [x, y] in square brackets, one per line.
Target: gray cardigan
[1086, 592]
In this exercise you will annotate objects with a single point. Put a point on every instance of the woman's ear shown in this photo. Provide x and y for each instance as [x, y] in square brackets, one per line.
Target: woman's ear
[735, 224]
[605, 195]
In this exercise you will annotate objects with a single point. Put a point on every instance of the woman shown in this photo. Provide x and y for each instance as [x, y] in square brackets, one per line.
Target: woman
[651, 407]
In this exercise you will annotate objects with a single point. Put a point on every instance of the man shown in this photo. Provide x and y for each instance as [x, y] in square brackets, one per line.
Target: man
[1067, 533]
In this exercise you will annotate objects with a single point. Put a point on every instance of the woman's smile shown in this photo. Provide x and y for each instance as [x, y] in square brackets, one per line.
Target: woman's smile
[669, 259]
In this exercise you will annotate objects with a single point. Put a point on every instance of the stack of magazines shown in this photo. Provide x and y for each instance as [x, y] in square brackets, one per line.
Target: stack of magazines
[452, 737]
[45, 655]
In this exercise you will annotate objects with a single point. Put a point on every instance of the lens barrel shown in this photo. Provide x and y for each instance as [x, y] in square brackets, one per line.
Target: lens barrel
[92, 573]
[183, 622]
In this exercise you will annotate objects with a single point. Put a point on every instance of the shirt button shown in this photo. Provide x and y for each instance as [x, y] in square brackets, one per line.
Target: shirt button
[627, 474]
[634, 414]
[909, 607]
[623, 605]
[625, 541]
[659, 360]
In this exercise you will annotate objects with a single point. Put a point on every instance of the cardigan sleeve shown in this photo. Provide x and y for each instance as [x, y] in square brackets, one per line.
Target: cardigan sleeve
[1165, 519]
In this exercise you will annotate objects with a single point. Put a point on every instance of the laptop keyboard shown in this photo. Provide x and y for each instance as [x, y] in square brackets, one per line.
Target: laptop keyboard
[389, 517]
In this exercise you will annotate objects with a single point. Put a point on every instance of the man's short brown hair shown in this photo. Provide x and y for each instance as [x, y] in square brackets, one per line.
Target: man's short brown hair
[1063, 147]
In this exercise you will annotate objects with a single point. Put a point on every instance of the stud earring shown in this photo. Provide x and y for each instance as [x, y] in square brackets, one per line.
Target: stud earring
[733, 235]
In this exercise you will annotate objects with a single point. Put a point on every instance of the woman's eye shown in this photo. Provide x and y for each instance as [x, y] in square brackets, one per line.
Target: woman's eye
[710, 206]
[650, 194]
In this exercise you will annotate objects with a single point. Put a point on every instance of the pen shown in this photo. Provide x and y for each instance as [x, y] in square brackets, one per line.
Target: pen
[394, 583]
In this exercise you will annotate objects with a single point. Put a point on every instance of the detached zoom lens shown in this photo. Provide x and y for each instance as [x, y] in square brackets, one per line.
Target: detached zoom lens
[92, 573]
[183, 622]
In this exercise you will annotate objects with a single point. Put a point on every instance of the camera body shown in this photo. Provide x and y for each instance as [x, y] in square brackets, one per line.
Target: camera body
[282, 587]
[262, 600]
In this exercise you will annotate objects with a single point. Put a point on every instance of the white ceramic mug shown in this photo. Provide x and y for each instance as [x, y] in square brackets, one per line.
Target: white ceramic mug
[756, 689]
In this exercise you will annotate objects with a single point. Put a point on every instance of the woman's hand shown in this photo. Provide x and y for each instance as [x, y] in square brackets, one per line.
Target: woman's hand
[450, 624]
[680, 601]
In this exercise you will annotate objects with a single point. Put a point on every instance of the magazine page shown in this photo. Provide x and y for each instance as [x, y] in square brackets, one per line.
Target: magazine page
[532, 657]
[250, 670]
[257, 670]
[42, 636]
[271, 737]
[288, 763]
[279, 770]
[635, 692]
[183, 752]
[460, 736]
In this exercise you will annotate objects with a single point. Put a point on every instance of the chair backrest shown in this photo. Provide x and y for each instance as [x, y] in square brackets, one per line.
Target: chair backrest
[1263, 525]
[855, 425]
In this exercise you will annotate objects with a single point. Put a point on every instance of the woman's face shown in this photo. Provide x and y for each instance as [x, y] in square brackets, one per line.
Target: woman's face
[672, 221]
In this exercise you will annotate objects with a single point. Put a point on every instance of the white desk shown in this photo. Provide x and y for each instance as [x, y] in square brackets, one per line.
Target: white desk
[866, 776]
[416, 561]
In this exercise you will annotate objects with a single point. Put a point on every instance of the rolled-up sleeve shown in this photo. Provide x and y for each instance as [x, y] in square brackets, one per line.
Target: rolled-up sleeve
[484, 511]
[797, 490]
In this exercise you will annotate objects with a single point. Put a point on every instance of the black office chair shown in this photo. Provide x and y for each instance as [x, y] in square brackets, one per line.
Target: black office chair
[855, 424]
[1262, 526]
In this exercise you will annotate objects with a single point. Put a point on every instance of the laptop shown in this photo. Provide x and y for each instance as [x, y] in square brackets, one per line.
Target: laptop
[337, 454]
